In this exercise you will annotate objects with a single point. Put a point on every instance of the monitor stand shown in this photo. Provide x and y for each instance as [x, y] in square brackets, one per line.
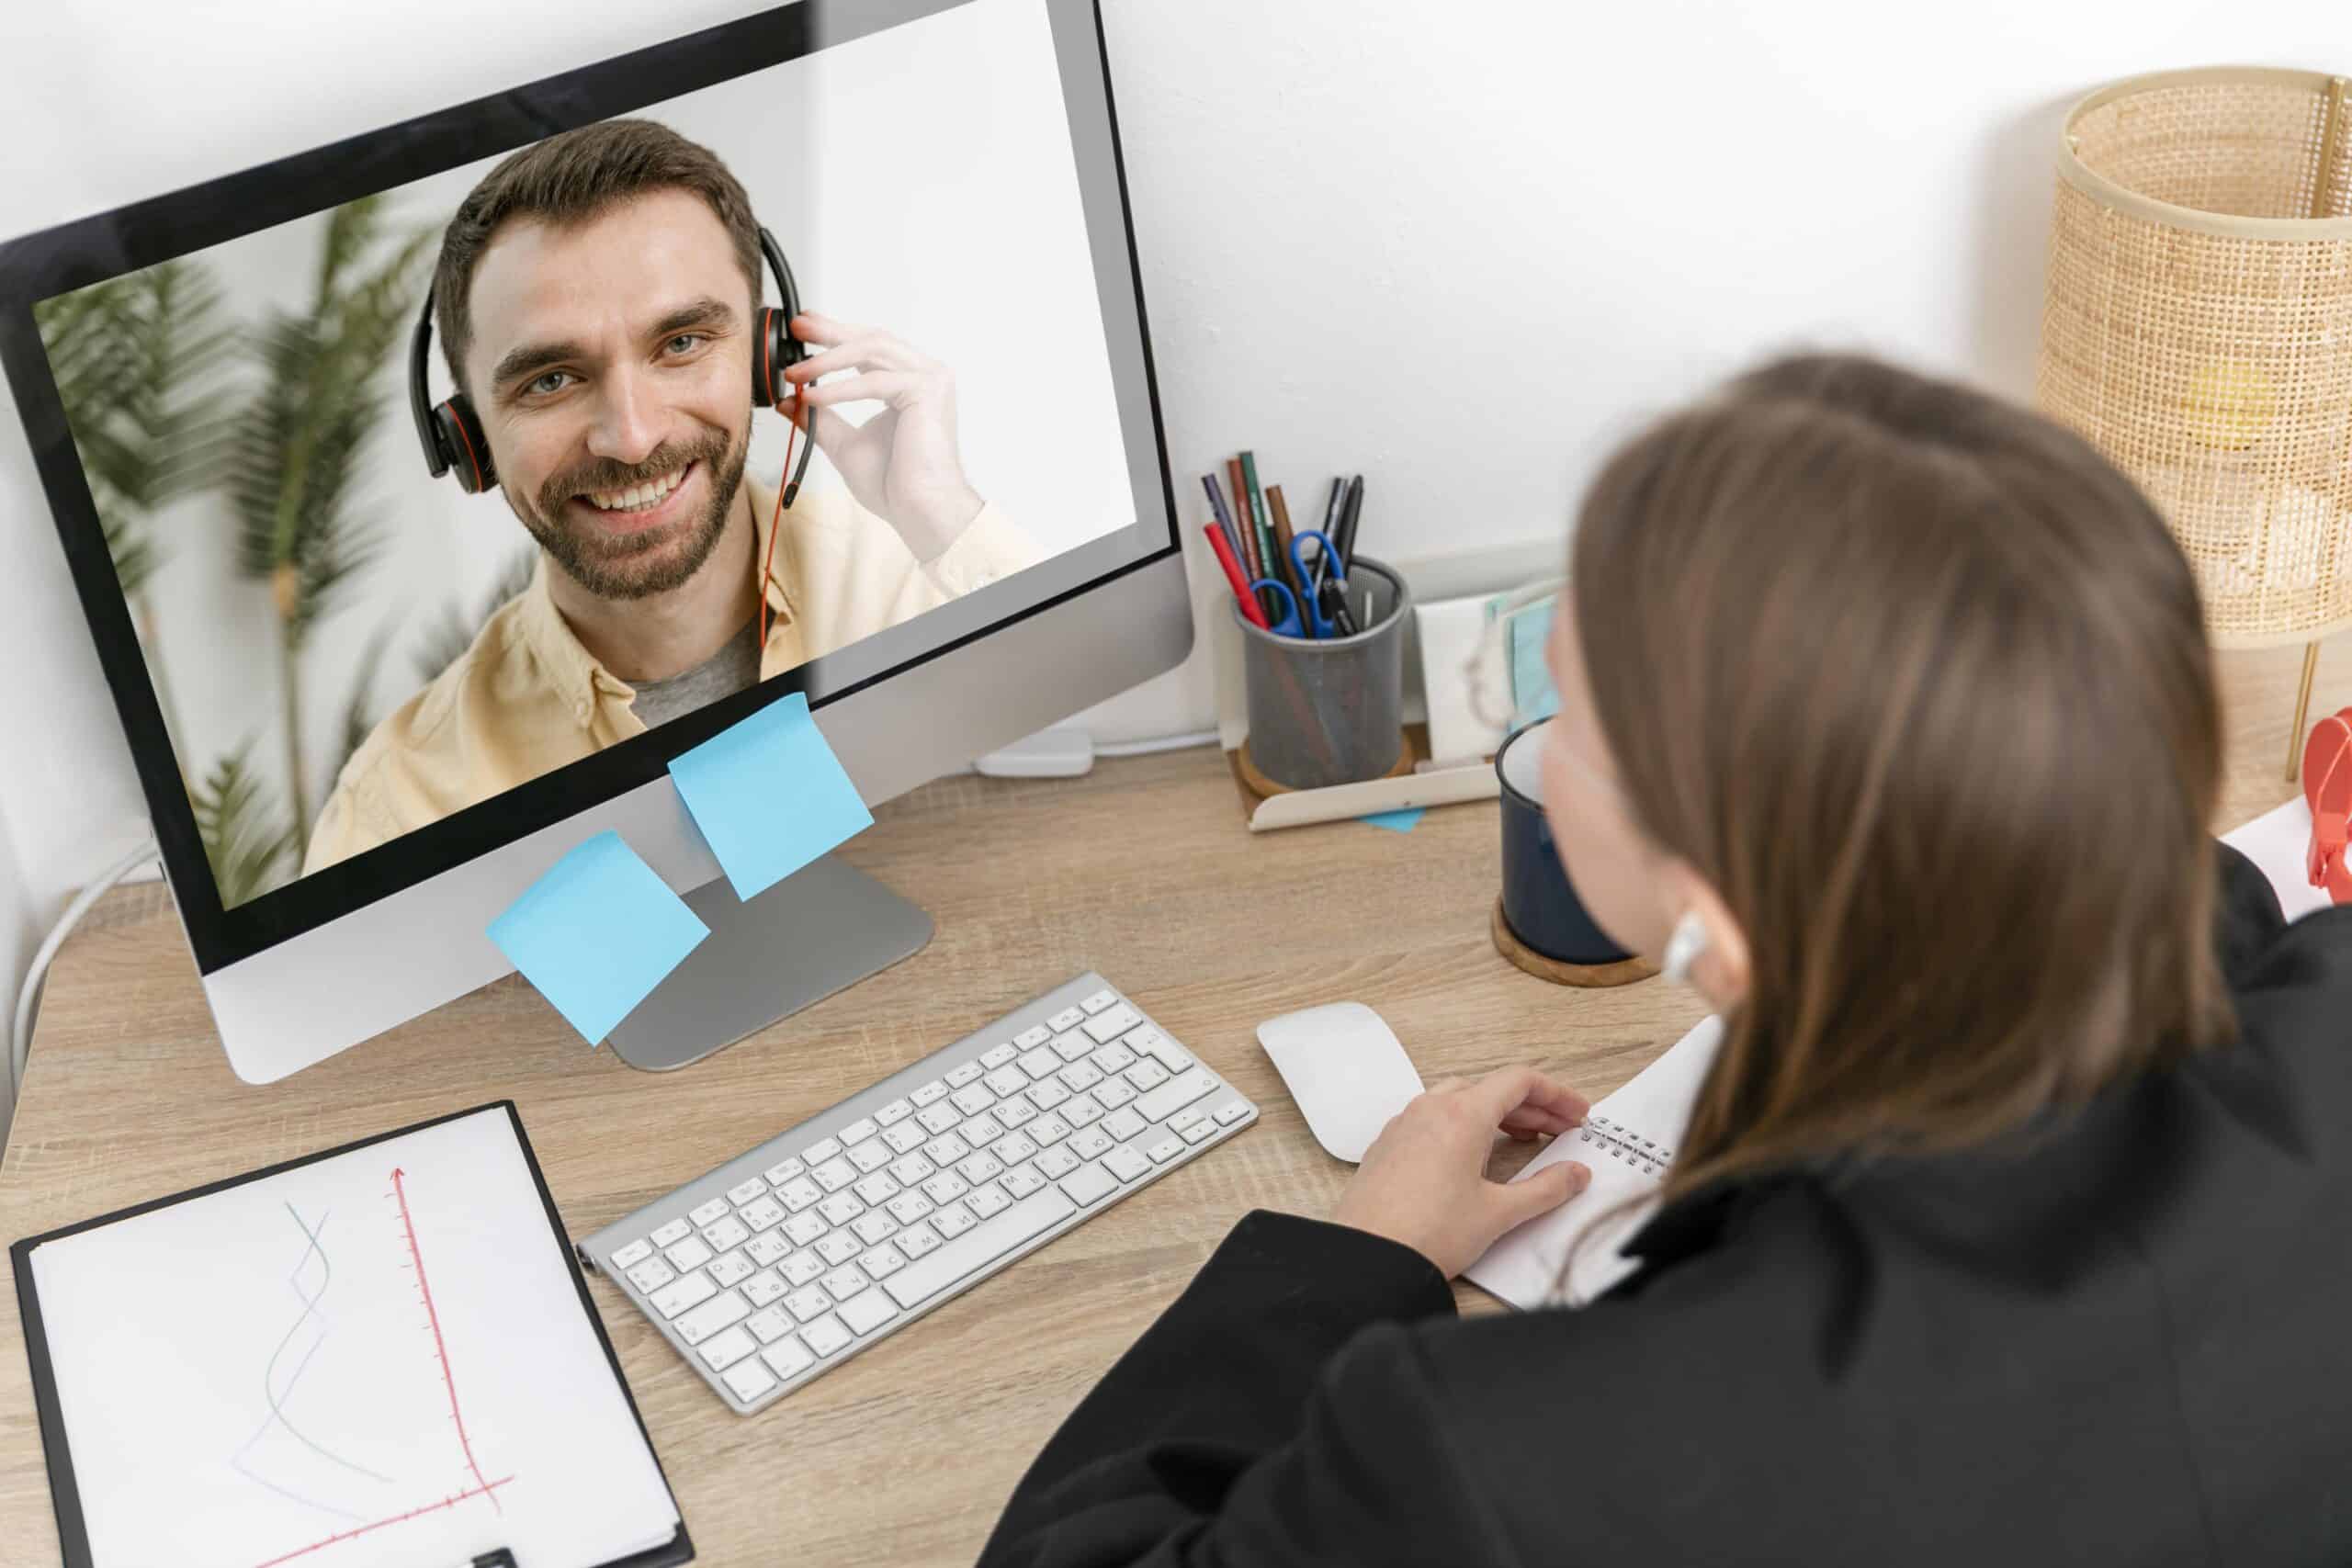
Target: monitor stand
[825, 928]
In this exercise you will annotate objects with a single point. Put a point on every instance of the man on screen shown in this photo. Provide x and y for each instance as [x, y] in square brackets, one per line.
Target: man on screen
[596, 297]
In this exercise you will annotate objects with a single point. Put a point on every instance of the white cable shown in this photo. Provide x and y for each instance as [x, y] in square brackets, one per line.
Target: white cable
[1162, 743]
[21, 1042]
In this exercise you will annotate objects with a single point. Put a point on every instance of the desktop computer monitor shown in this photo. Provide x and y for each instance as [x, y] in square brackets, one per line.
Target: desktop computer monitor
[401, 600]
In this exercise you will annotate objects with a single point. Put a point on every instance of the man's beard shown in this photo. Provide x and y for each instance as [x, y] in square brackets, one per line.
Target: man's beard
[636, 566]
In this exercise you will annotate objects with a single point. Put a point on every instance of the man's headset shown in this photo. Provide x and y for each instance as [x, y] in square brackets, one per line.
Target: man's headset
[452, 433]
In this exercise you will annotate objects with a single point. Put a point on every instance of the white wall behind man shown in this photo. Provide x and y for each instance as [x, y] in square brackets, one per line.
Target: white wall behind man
[1461, 248]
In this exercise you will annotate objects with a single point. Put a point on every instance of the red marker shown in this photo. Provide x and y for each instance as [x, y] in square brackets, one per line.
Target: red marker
[1233, 575]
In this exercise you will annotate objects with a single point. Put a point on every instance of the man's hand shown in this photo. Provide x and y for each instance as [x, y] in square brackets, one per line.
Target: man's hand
[1423, 1182]
[902, 464]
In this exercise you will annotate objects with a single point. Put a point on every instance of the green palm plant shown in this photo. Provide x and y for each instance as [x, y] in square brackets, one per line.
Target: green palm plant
[133, 359]
[298, 443]
[244, 838]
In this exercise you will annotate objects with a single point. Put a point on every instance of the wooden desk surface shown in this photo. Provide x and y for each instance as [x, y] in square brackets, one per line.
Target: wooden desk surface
[1142, 870]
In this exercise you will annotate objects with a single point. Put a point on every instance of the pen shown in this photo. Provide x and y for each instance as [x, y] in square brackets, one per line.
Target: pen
[1224, 553]
[1286, 561]
[1350, 508]
[1330, 529]
[1243, 525]
[1266, 554]
[1223, 518]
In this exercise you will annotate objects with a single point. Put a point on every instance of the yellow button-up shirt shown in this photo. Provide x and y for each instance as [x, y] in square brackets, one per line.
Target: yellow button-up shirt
[528, 698]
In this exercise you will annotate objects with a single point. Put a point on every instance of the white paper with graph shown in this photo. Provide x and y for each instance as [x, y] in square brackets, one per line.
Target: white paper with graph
[1628, 1142]
[378, 1359]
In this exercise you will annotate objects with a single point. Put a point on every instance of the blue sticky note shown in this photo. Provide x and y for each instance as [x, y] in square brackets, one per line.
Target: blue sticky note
[597, 933]
[1396, 821]
[769, 796]
[1532, 693]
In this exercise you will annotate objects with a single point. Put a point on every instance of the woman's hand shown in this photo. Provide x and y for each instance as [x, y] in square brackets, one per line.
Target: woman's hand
[1423, 1182]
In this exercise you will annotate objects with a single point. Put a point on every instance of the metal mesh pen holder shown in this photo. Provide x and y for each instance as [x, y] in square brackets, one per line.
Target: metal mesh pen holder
[1329, 711]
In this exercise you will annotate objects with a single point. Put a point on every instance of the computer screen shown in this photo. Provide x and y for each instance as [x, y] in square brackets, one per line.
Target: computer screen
[346, 651]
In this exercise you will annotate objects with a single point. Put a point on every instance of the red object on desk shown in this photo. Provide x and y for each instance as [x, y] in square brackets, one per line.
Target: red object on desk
[2327, 789]
[1233, 575]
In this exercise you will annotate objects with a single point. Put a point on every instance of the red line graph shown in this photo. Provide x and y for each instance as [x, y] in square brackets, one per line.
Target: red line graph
[449, 1501]
[440, 1350]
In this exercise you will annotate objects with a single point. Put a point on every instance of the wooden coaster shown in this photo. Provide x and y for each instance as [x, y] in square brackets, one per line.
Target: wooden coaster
[1264, 787]
[1623, 971]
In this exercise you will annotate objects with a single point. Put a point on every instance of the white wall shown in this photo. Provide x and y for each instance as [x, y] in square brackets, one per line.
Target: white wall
[1458, 247]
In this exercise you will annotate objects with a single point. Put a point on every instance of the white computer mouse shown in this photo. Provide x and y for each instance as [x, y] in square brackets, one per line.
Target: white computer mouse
[1343, 1066]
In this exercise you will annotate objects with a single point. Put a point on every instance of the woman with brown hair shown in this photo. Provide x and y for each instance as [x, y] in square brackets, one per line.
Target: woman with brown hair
[2014, 1220]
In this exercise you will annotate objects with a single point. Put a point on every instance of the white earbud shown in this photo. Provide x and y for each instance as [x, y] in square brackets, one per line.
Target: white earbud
[1688, 941]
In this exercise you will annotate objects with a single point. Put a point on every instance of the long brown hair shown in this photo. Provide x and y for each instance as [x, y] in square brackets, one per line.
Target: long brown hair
[1919, 683]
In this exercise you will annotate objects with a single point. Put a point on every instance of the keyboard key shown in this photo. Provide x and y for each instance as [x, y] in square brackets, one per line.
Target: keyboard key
[798, 1193]
[1175, 1095]
[1045, 1095]
[877, 1188]
[946, 1150]
[651, 1275]
[1166, 1149]
[725, 1350]
[825, 1336]
[686, 1290]
[909, 1207]
[688, 1255]
[965, 1074]
[1124, 1124]
[872, 1154]
[979, 1167]
[762, 1288]
[980, 1130]
[1014, 1147]
[744, 1192]
[904, 1136]
[873, 1226]
[895, 1113]
[1068, 1018]
[1200, 1132]
[995, 1056]
[748, 1379]
[987, 1202]
[761, 1214]
[802, 1229]
[1168, 1053]
[881, 1262]
[786, 1170]
[1125, 1164]
[1079, 1076]
[911, 1168]
[844, 1282]
[1056, 1162]
[1184, 1119]
[972, 1099]
[1014, 1111]
[1088, 1184]
[839, 1246]
[945, 1188]
[819, 1153]
[1143, 1038]
[859, 1130]
[802, 1269]
[836, 1173]
[1080, 1110]
[677, 1230]
[1226, 1115]
[629, 1256]
[1098, 1001]
[1092, 1144]
[915, 1241]
[1109, 1024]
[1072, 1047]
[1113, 1093]
[980, 1247]
[1048, 1129]
[730, 1270]
[1146, 1073]
[787, 1359]
[936, 1090]
[940, 1117]
[1114, 1057]
[951, 1222]
[1020, 1181]
[726, 1234]
[1041, 1062]
[722, 1311]
[1006, 1080]
[842, 1208]
[708, 1212]
[1037, 1035]
[770, 1325]
[868, 1313]
[806, 1303]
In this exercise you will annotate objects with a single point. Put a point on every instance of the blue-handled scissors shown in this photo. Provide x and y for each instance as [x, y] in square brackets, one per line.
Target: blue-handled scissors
[1319, 582]
[1287, 623]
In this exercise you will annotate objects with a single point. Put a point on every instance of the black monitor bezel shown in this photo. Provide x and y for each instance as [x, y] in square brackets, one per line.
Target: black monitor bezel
[94, 249]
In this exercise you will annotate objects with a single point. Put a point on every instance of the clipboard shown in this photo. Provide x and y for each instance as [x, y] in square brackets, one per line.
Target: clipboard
[67, 1490]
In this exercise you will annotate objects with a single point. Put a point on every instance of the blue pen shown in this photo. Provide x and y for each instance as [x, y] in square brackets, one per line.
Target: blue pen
[1287, 623]
[1319, 623]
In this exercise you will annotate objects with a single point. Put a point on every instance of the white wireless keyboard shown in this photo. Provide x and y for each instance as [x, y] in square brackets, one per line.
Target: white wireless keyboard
[788, 1260]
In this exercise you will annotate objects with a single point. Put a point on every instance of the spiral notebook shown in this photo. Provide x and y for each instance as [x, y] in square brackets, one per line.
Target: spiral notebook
[381, 1356]
[1569, 1256]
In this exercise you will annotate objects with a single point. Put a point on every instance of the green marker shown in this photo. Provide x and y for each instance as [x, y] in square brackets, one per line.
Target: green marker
[1258, 516]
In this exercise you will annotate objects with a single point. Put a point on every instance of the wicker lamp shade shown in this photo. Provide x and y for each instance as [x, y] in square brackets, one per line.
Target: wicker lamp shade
[2198, 329]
